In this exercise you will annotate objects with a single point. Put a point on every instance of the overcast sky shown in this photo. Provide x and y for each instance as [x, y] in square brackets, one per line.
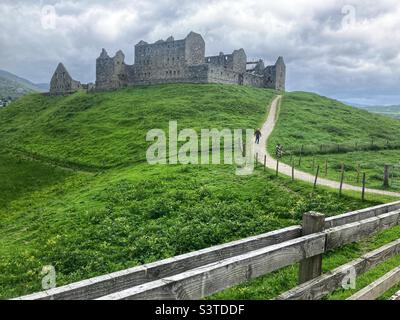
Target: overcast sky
[347, 49]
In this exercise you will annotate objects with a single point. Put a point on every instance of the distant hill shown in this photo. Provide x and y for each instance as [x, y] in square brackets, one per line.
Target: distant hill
[14, 86]
[390, 111]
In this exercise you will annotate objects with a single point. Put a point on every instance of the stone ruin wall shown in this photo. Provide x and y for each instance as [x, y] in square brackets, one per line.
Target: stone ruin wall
[183, 61]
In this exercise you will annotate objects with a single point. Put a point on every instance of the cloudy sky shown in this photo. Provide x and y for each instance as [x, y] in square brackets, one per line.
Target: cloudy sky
[349, 50]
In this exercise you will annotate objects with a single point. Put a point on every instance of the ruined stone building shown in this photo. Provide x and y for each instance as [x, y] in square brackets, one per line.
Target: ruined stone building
[174, 61]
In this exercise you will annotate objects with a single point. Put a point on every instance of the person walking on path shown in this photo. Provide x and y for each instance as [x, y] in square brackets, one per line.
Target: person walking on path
[257, 133]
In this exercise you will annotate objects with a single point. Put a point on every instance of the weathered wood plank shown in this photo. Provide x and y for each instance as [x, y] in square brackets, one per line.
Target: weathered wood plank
[356, 231]
[396, 296]
[378, 287]
[327, 283]
[120, 280]
[206, 280]
[358, 215]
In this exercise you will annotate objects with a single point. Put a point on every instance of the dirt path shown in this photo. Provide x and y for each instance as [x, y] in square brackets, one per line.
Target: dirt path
[285, 169]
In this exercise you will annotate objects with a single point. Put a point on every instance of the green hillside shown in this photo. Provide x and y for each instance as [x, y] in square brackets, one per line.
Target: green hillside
[307, 118]
[72, 128]
[318, 124]
[78, 194]
[14, 86]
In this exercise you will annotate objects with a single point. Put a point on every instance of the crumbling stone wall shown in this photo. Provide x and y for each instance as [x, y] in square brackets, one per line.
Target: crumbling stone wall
[62, 83]
[174, 61]
[275, 76]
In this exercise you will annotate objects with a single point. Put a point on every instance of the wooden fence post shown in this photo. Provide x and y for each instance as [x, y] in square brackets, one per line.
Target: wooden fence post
[265, 162]
[277, 167]
[363, 188]
[341, 182]
[386, 177]
[326, 168]
[316, 177]
[301, 153]
[311, 268]
[293, 171]
[244, 149]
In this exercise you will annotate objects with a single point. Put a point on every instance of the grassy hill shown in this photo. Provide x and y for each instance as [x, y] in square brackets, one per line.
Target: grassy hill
[72, 128]
[79, 195]
[318, 122]
[14, 86]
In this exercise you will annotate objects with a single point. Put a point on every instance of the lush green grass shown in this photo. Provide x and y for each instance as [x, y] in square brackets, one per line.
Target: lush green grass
[108, 129]
[125, 212]
[309, 119]
[19, 177]
[91, 224]
[369, 162]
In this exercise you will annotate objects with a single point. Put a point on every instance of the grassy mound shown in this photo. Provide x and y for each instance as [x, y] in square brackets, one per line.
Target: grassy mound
[109, 129]
[55, 211]
[365, 140]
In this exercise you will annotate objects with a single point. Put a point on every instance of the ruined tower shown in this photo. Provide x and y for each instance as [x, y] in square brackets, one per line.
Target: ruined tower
[174, 61]
[275, 76]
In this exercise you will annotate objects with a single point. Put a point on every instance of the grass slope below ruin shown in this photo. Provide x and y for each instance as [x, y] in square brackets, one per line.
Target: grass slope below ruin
[109, 129]
[87, 223]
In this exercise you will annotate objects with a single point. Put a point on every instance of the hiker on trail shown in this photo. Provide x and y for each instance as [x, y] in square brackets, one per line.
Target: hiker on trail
[257, 133]
[278, 150]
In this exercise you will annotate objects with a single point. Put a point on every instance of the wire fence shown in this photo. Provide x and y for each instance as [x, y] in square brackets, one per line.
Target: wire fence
[314, 149]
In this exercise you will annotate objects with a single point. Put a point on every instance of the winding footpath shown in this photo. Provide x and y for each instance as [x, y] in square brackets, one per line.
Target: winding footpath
[261, 150]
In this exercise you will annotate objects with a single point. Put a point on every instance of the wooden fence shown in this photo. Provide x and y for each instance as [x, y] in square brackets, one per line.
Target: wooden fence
[198, 274]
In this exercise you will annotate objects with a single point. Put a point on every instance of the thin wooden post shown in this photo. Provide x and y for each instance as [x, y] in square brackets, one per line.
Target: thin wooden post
[363, 188]
[244, 149]
[265, 162]
[277, 167]
[341, 182]
[293, 171]
[316, 177]
[311, 268]
[386, 176]
[301, 153]
[326, 168]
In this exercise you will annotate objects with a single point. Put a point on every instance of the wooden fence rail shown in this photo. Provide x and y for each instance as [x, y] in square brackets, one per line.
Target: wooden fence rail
[327, 283]
[378, 287]
[198, 274]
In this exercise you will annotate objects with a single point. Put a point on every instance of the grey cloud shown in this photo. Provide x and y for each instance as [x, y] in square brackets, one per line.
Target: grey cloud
[361, 62]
